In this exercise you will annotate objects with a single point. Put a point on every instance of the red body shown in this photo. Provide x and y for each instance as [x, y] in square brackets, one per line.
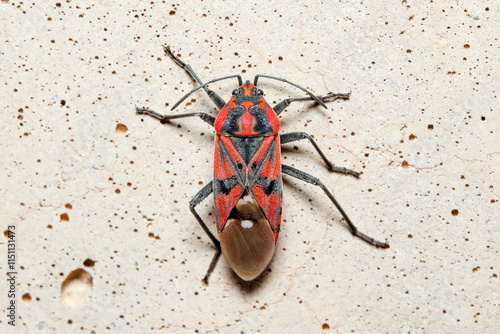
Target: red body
[247, 181]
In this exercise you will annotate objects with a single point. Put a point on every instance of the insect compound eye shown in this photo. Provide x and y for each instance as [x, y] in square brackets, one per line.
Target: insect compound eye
[235, 92]
[257, 92]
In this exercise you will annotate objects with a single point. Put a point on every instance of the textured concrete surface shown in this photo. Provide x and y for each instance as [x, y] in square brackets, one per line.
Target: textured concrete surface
[99, 195]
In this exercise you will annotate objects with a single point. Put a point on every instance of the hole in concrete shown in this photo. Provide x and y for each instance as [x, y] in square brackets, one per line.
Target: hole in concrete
[76, 288]
[89, 263]
[121, 128]
[26, 298]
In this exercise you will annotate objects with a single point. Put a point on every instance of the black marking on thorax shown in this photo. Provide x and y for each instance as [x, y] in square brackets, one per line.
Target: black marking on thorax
[247, 146]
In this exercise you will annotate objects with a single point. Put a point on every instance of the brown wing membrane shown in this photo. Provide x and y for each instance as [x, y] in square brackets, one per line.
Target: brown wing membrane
[247, 240]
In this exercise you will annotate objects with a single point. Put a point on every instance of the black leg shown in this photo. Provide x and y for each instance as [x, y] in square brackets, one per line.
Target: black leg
[312, 180]
[199, 197]
[294, 136]
[211, 94]
[206, 117]
[327, 98]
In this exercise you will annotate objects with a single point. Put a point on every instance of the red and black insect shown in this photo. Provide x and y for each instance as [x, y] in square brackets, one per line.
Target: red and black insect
[247, 172]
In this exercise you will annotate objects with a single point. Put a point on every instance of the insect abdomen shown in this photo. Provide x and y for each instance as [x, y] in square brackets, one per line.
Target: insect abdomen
[247, 240]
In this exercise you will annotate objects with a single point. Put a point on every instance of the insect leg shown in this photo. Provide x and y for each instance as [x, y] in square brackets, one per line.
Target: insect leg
[197, 199]
[206, 117]
[219, 102]
[294, 136]
[327, 98]
[312, 180]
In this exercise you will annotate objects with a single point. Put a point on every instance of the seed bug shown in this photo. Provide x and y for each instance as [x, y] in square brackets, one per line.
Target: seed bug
[247, 182]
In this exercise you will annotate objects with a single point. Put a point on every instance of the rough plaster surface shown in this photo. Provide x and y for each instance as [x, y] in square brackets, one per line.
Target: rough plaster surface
[90, 185]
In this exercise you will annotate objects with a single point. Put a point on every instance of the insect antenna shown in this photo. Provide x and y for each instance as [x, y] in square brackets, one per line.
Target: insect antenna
[314, 97]
[206, 84]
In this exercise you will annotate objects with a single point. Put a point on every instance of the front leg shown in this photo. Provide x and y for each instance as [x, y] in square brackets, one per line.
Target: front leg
[327, 98]
[204, 116]
[219, 102]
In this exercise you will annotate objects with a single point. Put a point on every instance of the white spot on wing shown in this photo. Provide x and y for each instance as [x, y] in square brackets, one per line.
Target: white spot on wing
[246, 224]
